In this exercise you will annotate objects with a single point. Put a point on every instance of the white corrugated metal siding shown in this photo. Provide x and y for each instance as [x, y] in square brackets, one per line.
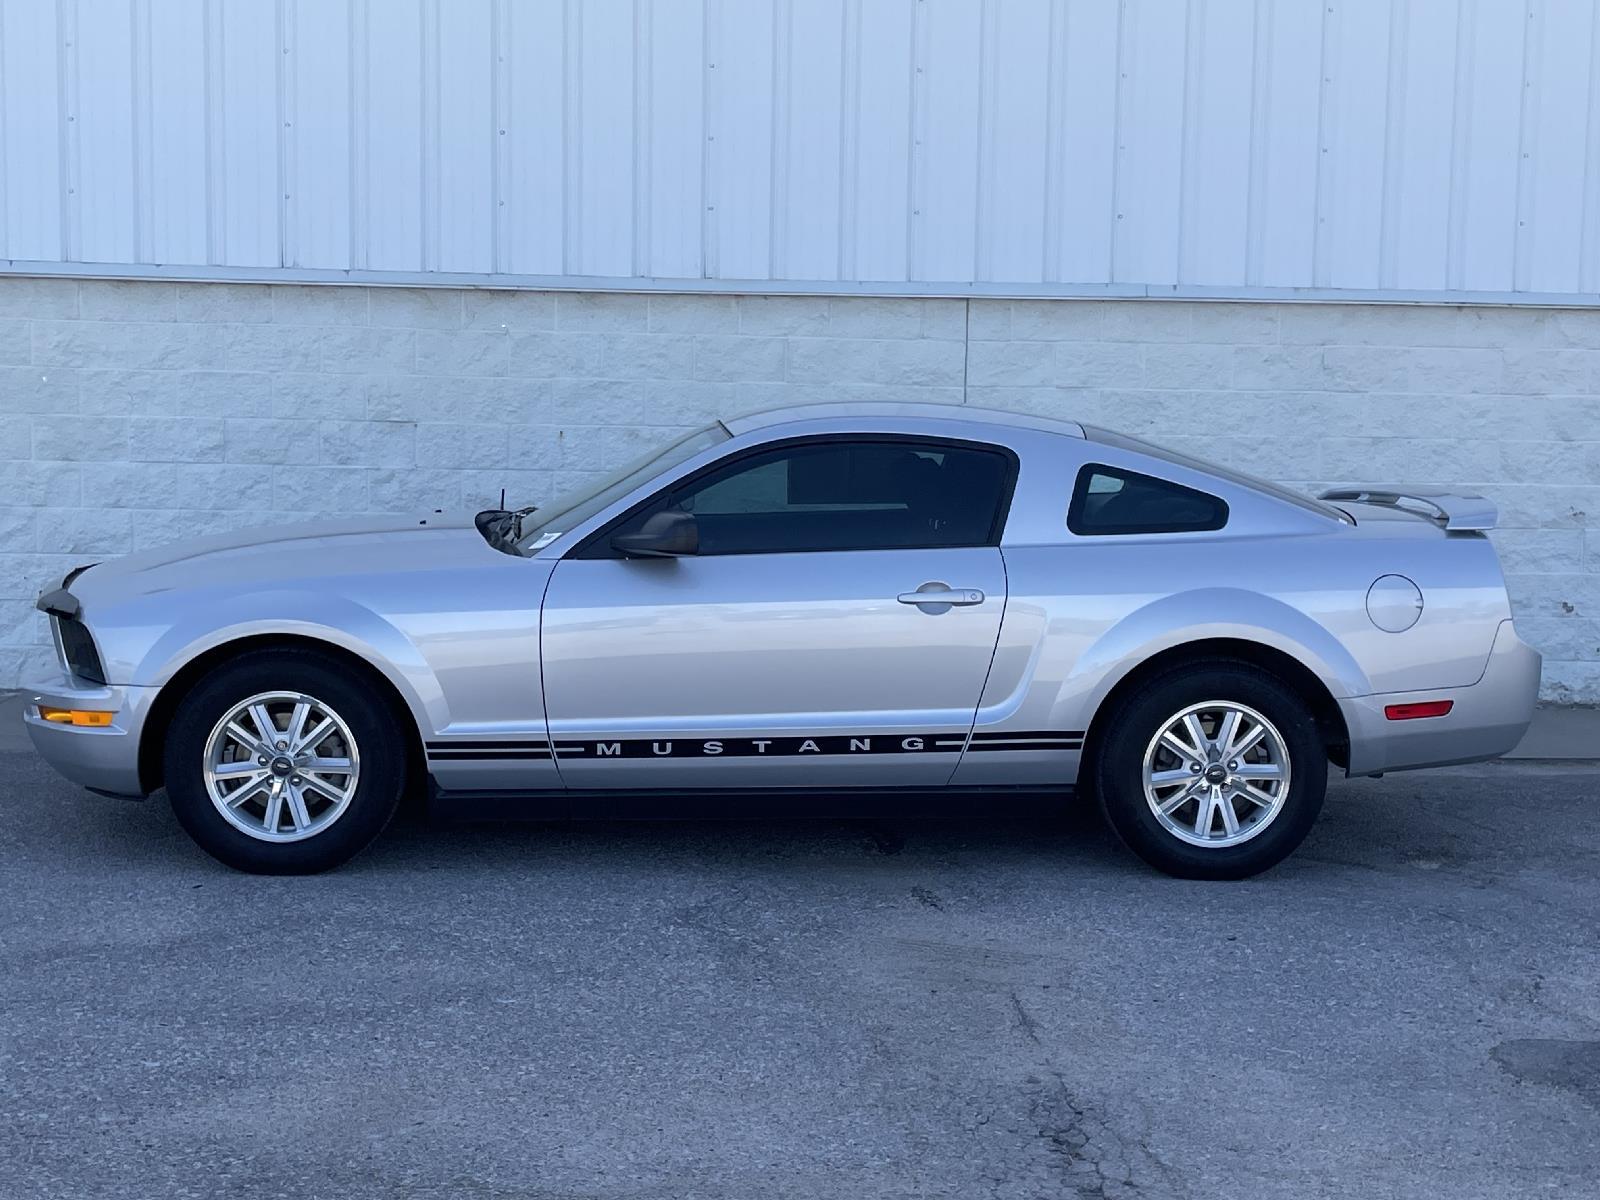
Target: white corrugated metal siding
[1232, 147]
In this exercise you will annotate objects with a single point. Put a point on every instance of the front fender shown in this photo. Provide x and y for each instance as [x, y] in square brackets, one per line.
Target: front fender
[335, 619]
[1184, 617]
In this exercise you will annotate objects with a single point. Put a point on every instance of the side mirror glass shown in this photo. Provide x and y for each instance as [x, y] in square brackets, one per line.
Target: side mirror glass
[665, 534]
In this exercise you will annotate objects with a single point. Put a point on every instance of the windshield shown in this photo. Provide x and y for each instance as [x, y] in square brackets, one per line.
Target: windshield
[1276, 491]
[572, 508]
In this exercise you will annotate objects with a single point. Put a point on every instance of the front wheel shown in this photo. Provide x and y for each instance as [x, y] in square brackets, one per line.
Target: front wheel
[282, 763]
[1212, 772]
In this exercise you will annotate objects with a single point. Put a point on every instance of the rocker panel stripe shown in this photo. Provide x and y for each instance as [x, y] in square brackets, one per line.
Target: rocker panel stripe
[940, 742]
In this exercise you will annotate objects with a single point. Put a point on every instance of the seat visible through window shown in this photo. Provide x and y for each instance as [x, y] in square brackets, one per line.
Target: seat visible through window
[846, 495]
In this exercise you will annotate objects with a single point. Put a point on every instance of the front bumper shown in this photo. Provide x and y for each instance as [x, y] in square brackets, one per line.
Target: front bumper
[1486, 720]
[104, 759]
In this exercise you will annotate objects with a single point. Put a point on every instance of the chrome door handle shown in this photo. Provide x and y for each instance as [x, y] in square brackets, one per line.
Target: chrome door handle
[942, 594]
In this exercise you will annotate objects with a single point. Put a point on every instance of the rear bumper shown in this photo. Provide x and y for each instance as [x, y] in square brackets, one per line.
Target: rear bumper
[104, 759]
[1485, 721]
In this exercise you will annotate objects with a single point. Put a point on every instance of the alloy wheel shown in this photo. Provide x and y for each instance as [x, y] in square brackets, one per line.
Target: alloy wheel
[281, 766]
[1216, 774]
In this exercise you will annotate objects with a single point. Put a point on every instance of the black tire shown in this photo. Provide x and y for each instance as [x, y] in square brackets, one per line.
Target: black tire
[1141, 716]
[372, 724]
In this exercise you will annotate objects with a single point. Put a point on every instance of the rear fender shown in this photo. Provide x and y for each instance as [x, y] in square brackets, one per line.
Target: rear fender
[1170, 622]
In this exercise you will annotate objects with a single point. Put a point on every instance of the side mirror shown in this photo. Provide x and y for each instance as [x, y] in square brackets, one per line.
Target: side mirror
[666, 534]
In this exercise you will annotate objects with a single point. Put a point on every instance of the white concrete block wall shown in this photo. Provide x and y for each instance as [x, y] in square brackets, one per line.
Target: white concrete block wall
[133, 413]
[1505, 401]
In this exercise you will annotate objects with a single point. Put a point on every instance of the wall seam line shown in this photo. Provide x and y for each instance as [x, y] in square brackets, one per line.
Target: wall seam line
[285, 114]
[1527, 149]
[1460, 143]
[849, 133]
[1394, 145]
[71, 167]
[1054, 134]
[1256, 147]
[1326, 125]
[1191, 89]
[5, 173]
[1118, 98]
[1589, 234]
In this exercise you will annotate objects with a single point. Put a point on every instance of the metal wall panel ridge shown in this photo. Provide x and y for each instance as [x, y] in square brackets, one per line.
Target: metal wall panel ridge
[1412, 148]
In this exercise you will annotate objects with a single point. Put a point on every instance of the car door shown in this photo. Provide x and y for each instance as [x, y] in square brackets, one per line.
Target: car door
[834, 628]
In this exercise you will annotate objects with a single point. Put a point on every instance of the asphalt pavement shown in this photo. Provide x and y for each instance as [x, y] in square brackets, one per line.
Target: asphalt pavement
[1410, 1007]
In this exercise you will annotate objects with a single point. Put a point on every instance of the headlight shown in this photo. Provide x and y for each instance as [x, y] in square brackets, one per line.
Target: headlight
[78, 654]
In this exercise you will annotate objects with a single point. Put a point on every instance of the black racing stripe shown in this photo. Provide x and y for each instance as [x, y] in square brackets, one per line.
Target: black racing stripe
[978, 747]
[485, 755]
[990, 735]
[823, 745]
[1030, 741]
[528, 744]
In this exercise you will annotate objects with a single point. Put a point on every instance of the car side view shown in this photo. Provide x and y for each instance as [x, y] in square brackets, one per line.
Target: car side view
[849, 601]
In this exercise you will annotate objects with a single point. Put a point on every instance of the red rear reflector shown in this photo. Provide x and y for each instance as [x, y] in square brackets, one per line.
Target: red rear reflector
[1425, 708]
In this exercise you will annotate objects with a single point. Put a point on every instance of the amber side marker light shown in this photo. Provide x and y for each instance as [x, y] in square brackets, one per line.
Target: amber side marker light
[74, 716]
[1424, 708]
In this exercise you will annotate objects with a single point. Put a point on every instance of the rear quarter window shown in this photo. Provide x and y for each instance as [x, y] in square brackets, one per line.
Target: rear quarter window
[1111, 500]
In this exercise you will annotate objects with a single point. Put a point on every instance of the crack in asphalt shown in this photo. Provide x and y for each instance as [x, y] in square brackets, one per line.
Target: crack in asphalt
[1025, 1020]
[1089, 1154]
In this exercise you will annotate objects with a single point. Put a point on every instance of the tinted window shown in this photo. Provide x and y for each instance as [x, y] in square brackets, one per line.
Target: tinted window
[1288, 495]
[844, 495]
[554, 518]
[1111, 500]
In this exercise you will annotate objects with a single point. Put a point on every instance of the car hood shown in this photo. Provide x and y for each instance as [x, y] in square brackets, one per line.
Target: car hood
[284, 554]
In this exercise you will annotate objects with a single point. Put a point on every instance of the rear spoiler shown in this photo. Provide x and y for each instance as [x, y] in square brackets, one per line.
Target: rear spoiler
[1452, 510]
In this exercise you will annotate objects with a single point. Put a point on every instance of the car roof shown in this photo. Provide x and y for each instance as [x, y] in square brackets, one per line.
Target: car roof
[949, 412]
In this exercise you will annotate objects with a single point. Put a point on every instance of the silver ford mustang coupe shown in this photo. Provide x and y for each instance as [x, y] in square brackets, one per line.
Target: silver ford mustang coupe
[850, 603]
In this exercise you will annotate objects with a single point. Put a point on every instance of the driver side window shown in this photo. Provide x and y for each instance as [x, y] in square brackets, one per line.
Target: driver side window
[843, 494]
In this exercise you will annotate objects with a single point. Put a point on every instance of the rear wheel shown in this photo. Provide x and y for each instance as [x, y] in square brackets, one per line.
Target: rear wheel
[1212, 772]
[281, 762]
